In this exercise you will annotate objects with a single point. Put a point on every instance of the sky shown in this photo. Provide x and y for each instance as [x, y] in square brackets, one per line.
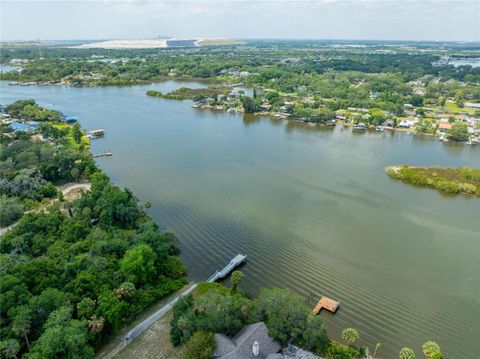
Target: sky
[241, 19]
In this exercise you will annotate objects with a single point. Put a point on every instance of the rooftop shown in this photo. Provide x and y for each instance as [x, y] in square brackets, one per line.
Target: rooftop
[240, 346]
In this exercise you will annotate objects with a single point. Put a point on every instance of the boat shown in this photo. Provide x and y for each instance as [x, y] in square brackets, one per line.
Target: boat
[379, 128]
[360, 127]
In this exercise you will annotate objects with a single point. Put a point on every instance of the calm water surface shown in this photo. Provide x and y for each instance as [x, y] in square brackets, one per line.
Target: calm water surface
[312, 208]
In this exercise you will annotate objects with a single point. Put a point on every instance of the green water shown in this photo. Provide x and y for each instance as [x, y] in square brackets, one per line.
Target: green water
[312, 208]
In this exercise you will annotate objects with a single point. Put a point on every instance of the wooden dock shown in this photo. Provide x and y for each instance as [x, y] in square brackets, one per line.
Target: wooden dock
[326, 303]
[104, 154]
[235, 262]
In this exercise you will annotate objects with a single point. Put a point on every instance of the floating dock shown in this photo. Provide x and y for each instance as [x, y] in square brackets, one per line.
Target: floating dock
[235, 262]
[326, 303]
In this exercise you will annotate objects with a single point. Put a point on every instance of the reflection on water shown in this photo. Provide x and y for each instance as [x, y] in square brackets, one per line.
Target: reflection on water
[311, 206]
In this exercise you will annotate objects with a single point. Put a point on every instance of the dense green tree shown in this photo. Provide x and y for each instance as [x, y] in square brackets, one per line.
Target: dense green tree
[76, 132]
[249, 105]
[138, 264]
[315, 336]
[283, 312]
[85, 308]
[458, 132]
[63, 337]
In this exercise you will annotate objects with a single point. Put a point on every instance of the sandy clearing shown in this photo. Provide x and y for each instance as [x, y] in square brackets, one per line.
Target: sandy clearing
[124, 44]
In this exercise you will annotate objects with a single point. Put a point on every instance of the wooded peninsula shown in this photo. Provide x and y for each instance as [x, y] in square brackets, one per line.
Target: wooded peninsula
[448, 180]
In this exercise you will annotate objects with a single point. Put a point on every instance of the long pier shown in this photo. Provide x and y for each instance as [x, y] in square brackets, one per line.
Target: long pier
[143, 326]
[103, 154]
[235, 262]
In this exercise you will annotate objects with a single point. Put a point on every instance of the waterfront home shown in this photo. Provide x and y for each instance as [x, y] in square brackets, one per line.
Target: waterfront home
[265, 106]
[444, 126]
[407, 123]
[387, 123]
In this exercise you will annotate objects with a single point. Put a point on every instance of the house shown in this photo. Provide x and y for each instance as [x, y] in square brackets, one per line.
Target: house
[407, 123]
[32, 124]
[444, 126]
[265, 106]
[251, 342]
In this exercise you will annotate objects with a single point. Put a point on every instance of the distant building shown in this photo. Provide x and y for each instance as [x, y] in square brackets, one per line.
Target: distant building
[444, 126]
[472, 105]
[29, 126]
[265, 106]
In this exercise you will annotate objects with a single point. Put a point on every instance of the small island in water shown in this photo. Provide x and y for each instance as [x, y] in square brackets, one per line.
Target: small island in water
[448, 180]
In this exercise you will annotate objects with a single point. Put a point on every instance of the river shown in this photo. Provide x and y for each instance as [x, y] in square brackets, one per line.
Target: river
[312, 208]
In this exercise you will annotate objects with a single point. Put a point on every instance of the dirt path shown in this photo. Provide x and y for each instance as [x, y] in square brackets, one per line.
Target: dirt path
[70, 191]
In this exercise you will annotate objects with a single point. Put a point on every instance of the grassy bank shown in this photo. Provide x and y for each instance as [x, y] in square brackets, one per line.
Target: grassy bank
[448, 180]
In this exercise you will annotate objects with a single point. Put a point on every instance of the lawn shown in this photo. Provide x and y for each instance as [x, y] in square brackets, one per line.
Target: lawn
[453, 108]
[70, 141]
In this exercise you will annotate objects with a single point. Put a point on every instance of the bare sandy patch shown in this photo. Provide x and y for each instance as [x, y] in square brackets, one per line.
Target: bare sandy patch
[124, 44]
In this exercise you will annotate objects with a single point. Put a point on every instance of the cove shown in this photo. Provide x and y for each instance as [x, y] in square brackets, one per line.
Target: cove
[311, 207]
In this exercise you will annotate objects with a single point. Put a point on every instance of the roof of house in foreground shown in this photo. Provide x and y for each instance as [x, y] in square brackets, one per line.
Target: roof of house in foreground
[240, 346]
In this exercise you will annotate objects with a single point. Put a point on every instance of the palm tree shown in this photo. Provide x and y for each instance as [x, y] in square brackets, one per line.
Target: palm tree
[147, 205]
[350, 335]
[377, 346]
[407, 353]
[432, 350]
[237, 277]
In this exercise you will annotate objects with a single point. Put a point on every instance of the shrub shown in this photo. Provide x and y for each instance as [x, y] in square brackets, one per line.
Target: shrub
[200, 346]
[447, 186]
[339, 351]
[11, 209]
[470, 173]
